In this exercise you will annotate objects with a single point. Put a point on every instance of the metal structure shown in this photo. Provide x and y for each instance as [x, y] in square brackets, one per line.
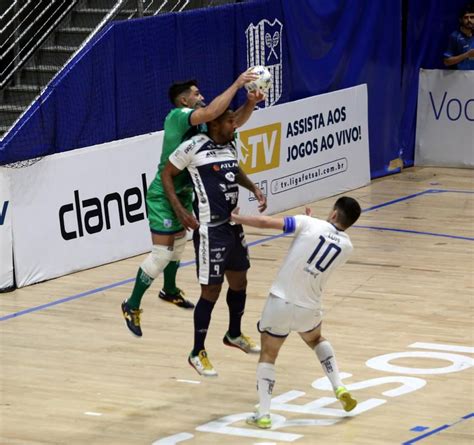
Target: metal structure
[39, 37]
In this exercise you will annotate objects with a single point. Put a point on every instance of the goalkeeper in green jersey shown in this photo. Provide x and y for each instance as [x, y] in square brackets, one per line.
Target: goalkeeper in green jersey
[168, 234]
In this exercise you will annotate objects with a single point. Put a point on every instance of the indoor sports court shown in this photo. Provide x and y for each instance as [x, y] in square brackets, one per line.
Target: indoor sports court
[99, 97]
[72, 373]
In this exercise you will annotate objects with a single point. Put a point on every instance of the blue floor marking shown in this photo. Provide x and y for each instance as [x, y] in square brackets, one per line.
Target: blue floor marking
[424, 436]
[414, 195]
[436, 430]
[111, 286]
[395, 201]
[416, 232]
[66, 299]
[448, 191]
[418, 429]
[253, 243]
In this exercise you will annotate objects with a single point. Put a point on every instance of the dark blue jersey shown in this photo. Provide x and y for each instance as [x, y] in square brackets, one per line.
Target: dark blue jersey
[459, 44]
[213, 169]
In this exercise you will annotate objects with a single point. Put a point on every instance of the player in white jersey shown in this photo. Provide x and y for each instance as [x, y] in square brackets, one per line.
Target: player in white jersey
[220, 247]
[294, 302]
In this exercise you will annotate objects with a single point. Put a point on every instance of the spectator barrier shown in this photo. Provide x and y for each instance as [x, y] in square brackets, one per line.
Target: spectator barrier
[445, 119]
[84, 208]
[6, 258]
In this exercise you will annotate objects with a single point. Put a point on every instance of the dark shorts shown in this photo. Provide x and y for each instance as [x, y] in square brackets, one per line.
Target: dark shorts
[219, 249]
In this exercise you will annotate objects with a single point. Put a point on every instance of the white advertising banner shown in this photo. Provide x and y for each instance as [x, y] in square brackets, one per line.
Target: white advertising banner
[445, 119]
[6, 252]
[82, 208]
[306, 150]
[86, 207]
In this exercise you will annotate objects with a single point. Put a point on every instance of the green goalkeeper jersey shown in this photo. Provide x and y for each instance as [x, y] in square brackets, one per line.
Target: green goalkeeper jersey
[177, 129]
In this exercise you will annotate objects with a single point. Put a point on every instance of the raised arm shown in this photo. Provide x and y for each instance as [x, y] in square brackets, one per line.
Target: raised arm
[259, 221]
[221, 102]
[244, 181]
[187, 219]
[243, 113]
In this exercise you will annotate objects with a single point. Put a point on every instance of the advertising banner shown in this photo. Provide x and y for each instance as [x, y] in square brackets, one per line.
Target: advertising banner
[306, 150]
[445, 119]
[82, 208]
[6, 253]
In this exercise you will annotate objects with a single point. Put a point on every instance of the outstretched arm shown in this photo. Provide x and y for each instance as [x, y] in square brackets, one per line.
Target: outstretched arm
[221, 102]
[244, 181]
[243, 113]
[260, 221]
[187, 219]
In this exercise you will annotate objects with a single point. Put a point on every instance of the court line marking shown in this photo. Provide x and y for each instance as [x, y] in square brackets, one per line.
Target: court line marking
[414, 195]
[109, 286]
[437, 430]
[416, 232]
[253, 243]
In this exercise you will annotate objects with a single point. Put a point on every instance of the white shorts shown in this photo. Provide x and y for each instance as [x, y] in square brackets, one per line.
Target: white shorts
[280, 317]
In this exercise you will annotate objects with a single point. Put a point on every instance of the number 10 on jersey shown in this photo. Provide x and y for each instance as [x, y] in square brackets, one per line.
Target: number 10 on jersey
[324, 254]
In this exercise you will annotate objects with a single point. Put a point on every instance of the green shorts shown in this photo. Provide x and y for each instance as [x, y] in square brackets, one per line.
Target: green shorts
[161, 216]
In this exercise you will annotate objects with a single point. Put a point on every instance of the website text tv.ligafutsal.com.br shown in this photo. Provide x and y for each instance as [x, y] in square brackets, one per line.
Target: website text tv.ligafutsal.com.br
[309, 175]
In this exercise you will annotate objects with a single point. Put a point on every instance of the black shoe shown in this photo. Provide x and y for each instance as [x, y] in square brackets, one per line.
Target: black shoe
[132, 318]
[176, 299]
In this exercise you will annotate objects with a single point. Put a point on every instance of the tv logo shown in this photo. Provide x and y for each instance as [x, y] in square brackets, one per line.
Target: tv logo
[260, 148]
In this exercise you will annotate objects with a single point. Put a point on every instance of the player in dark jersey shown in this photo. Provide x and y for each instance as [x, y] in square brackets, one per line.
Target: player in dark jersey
[220, 247]
[168, 235]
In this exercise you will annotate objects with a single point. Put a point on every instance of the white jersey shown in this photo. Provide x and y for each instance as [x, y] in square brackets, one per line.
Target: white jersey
[318, 249]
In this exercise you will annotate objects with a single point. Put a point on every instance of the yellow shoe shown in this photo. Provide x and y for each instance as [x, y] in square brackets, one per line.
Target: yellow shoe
[241, 342]
[202, 364]
[347, 401]
[132, 318]
[263, 422]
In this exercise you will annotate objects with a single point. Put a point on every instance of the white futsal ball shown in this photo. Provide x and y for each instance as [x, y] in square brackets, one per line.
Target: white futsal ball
[264, 81]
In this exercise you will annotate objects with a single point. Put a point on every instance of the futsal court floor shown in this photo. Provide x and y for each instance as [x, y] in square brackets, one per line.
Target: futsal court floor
[399, 315]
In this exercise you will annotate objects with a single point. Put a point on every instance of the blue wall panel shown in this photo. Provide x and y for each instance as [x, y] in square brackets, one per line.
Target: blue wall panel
[117, 87]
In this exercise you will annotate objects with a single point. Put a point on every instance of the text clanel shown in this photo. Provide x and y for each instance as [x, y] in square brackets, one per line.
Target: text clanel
[89, 216]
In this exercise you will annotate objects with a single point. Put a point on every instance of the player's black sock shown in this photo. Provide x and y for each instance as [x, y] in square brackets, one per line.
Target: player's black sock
[202, 318]
[236, 302]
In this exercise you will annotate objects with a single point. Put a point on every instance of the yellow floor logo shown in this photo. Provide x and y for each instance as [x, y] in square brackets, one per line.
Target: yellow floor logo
[260, 148]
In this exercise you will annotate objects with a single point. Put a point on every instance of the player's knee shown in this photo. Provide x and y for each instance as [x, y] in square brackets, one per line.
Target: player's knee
[237, 281]
[157, 260]
[178, 248]
[211, 292]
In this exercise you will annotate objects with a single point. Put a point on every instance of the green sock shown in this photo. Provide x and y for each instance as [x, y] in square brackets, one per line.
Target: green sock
[169, 284]
[142, 283]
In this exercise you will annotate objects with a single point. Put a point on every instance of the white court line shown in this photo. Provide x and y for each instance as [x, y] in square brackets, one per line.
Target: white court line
[92, 413]
[194, 382]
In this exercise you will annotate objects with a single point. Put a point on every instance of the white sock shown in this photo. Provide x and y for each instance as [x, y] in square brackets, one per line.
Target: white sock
[326, 356]
[265, 383]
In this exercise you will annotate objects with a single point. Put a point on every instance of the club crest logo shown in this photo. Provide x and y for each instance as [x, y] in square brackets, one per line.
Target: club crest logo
[264, 47]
